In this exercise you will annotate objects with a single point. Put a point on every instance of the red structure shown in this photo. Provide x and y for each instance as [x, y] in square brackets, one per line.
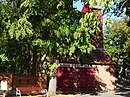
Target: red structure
[99, 55]
[73, 77]
[99, 42]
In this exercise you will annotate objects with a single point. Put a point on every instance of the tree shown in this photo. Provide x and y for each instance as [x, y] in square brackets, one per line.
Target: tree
[117, 42]
[117, 34]
[32, 29]
[123, 4]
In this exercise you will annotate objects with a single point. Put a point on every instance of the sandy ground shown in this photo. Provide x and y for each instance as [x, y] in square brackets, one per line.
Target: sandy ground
[119, 93]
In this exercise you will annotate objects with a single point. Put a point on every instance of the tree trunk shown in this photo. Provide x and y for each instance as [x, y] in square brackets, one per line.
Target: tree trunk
[34, 67]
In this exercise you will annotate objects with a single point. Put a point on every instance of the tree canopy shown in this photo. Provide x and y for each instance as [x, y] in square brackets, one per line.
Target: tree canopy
[30, 29]
[117, 36]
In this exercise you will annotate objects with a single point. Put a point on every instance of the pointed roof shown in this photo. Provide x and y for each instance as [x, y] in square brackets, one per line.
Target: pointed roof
[100, 56]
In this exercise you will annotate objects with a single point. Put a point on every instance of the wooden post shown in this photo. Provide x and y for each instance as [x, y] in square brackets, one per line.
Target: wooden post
[52, 86]
[4, 86]
[53, 80]
[4, 93]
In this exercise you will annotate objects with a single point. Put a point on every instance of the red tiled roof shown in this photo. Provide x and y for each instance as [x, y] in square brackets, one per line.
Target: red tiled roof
[100, 56]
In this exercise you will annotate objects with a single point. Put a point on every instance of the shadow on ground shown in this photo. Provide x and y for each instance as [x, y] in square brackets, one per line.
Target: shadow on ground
[92, 93]
[123, 92]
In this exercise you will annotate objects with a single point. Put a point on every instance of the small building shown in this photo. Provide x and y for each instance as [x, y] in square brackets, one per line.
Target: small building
[90, 76]
[74, 77]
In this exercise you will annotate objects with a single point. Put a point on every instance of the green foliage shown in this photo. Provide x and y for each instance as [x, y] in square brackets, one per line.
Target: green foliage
[123, 7]
[3, 57]
[31, 28]
[117, 44]
[106, 5]
[117, 40]
[52, 69]
[20, 29]
[87, 30]
[61, 5]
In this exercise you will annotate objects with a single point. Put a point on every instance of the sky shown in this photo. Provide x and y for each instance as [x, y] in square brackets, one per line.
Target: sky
[78, 5]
